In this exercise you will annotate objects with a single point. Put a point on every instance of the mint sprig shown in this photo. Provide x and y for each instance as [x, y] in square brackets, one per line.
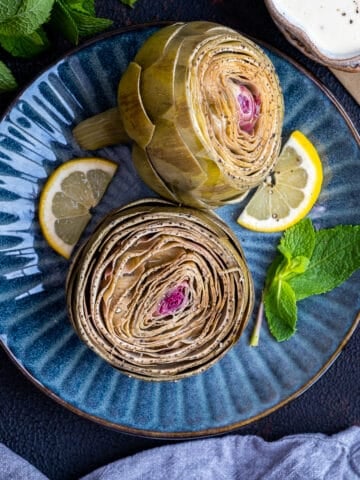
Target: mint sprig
[308, 263]
[24, 25]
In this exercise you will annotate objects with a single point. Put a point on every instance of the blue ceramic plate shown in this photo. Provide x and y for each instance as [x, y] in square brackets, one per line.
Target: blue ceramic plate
[248, 383]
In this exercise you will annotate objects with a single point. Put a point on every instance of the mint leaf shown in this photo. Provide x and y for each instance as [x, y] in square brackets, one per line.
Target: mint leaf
[62, 20]
[84, 6]
[281, 310]
[308, 263]
[88, 25]
[9, 9]
[298, 240]
[7, 79]
[293, 267]
[130, 3]
[335, 258]
[295, 249]
[27, 46]
[76, 18]
[274, 270]
[23, 17]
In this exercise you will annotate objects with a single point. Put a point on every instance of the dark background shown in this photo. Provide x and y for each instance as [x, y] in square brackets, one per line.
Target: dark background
[65, 446]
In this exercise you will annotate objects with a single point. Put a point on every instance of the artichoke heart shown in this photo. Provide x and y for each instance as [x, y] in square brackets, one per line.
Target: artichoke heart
[160, 292]
[214, 110]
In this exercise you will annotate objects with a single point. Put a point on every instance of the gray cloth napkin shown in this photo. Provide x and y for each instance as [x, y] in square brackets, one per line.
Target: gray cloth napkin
[296, 457]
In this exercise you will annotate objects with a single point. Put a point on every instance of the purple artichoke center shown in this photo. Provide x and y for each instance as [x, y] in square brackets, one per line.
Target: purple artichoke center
[173, 301]
[249, 109]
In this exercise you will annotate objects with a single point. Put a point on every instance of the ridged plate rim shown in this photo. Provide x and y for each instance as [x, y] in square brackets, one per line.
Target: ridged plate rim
[208, 431]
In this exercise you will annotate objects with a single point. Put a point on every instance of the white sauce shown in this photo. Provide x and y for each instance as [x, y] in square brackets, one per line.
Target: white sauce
[332, 25]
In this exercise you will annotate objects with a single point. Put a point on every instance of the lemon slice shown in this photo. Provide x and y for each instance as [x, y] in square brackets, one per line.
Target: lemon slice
[289, 192]
[67, 198]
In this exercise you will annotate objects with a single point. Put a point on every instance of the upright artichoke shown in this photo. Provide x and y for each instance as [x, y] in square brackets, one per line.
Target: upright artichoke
[204, 108]
[159, 291]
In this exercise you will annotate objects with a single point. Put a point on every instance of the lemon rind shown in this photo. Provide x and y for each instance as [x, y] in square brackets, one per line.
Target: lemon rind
[304, 147]
[52, 185]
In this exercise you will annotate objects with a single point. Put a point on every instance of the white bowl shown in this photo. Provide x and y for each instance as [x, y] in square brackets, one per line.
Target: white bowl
[308, 40]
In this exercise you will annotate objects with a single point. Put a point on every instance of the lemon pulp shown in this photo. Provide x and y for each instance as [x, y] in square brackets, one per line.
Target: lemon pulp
[67, 198]
[289, 192]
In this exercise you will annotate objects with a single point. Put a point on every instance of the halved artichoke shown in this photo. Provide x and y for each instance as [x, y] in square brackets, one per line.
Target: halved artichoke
[204, 108]
[159, 291]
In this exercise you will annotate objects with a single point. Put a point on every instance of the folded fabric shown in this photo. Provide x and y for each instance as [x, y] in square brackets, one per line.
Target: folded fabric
[295, 457]
[13, 467]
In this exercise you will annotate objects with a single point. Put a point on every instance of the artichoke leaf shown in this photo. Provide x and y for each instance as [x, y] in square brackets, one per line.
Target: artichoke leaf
[157, 82]
[215, 191]
[159, 70]
[190, 198]
[148, 173]
[136, 121]
[177, 164]
[156, 45]
[198, 27]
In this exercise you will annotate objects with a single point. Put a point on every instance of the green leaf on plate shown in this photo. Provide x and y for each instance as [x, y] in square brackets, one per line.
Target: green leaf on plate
[308, 263]
[281, 310]
[335, 258]
[298, 240]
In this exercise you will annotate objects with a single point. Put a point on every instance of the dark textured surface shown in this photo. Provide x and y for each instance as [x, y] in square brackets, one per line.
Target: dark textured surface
[65, 446]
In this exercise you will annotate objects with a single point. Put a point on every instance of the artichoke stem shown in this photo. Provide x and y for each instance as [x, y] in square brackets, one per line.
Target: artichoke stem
[101, 130]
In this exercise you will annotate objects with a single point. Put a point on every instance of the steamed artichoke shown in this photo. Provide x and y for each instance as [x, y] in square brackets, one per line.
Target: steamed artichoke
[204, 108]
[159, 291]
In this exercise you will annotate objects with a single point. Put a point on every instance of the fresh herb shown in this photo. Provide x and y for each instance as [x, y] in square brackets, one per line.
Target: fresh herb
[24, 23]
[335, 257]
[130, 3]
[26, 46]
[77, 18]
[7, 80]
[23, 17]
[308, 263]
[21, 21]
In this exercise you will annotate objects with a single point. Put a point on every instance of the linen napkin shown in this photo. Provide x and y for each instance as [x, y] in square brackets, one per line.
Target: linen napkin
[296, 457]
